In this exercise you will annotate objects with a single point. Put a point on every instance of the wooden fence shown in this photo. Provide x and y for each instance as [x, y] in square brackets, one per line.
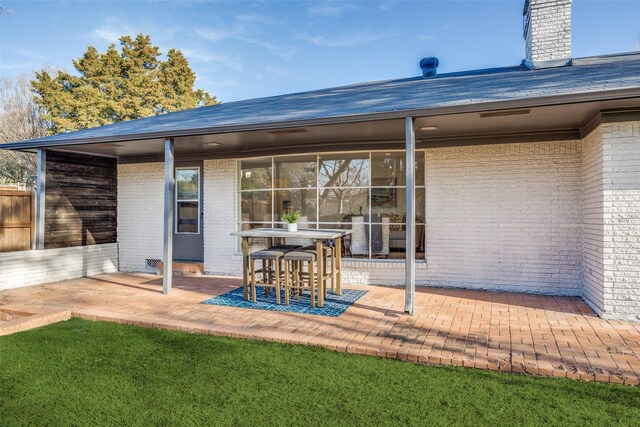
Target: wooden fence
[17, 220]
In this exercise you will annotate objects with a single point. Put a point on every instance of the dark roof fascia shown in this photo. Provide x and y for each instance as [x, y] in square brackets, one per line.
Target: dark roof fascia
[452, 141]
[574, 98]
[615, 115]
[621, 115]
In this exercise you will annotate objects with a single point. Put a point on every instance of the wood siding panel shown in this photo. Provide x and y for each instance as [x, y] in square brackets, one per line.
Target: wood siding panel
[81, 200]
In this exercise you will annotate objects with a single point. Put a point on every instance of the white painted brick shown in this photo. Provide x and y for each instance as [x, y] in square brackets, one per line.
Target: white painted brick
[28, 268]
[505, 217]
[593, 210]
[548, 34]
[220, 218]
[620, 222]
[140, 214]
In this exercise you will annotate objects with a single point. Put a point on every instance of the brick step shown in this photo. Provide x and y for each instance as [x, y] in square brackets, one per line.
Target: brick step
[184, 268]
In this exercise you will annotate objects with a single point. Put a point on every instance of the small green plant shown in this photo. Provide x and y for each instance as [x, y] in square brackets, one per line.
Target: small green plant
[291, 216]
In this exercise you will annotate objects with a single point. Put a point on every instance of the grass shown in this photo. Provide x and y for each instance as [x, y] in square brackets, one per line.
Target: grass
[80, 372]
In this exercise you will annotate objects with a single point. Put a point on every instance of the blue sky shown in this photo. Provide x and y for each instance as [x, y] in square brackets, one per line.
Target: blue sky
[247, 49]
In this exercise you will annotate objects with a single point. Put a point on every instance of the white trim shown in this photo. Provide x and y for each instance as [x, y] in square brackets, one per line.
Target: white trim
[199, 168]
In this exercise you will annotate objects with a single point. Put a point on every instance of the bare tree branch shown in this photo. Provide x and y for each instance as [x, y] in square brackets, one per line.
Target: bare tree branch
[19, 121]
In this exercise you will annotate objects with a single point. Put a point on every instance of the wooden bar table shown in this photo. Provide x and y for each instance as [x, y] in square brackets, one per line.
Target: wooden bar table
[316, 235]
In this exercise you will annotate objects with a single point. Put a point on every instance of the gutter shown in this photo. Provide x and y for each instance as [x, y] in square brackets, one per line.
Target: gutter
[576, 98]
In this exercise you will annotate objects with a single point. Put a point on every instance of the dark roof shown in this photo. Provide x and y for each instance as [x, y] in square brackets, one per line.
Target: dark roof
[377, 99]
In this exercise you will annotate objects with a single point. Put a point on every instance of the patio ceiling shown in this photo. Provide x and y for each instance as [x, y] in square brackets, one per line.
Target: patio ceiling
[565, 121]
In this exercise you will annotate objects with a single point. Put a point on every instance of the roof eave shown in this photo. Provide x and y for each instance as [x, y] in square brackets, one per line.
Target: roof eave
[592, 96]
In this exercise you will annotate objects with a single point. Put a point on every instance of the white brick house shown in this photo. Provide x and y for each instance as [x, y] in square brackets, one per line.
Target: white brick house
[529, 176]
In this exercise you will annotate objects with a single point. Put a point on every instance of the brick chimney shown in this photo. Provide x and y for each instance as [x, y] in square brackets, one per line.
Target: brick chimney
[547, 32]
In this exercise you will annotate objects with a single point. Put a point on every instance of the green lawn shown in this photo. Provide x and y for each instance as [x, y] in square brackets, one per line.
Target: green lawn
[86, 373]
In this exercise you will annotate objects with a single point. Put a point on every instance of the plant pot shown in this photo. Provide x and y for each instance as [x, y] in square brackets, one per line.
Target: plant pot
[292, 228]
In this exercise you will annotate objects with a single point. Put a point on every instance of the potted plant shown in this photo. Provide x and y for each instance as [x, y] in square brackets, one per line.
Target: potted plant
[291, 218]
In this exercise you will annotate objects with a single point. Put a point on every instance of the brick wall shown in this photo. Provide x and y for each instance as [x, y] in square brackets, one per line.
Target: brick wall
[548, 30]
[28, 268]
[592, 219]
[621, 219]
[140, 214]
[505, 217]
[220, 218]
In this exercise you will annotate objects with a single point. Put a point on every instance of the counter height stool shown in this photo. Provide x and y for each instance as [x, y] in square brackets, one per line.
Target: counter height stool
[329, 270]
[271, 260]
[294, 276]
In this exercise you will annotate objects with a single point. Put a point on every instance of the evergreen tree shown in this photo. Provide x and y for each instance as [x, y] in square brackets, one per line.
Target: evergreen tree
[115, 86]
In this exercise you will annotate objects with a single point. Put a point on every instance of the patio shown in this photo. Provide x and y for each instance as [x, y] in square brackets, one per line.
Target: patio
[542, 335]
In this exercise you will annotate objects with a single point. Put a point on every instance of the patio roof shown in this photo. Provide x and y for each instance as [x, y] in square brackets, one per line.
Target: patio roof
[597, 78]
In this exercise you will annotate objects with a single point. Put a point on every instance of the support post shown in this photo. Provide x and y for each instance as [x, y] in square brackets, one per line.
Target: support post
[169, 203]
[410, 227]
[40, 197]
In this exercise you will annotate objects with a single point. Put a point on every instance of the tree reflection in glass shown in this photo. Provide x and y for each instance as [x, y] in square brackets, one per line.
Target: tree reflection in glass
[340, 204]
[344, 170]
[296, 172]
[188, 183]
[338, 175]
[255, 174]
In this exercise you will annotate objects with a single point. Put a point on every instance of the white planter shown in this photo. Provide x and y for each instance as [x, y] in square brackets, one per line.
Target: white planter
[292, 227]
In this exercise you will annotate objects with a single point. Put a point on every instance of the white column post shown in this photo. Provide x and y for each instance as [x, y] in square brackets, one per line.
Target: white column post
[169, 203]
[40, 197]
[410, 227]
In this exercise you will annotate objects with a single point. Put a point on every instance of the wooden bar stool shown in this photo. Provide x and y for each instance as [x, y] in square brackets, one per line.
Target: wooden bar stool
[271, 271]
[329, 270]
[295, 278]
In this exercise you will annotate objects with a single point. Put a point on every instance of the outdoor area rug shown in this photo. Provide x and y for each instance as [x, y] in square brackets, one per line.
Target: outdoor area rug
[334, 305]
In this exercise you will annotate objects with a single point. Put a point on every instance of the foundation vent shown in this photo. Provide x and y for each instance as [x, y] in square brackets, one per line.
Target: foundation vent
[151, 264]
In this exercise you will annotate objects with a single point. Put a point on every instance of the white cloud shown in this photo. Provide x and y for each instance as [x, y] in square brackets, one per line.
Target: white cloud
[214, 60]
[228, 83]
[214, 35]
[20, 66]
[276, 71]
[107, 34]
[26, 53]
[242, 34]
[112, 30]
[256, 18]
[330, 8]
[24, 60]
[284, 52]
[346, 40]
[196, 55]
[435, 32]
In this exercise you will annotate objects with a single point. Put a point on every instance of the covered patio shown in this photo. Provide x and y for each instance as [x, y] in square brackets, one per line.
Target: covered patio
[522, 155]
[540, 335]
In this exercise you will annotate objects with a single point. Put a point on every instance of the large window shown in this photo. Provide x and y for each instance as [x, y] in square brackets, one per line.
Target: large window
[364, 191]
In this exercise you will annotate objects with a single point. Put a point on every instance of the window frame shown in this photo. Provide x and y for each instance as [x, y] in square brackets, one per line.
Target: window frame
[198, 200]
[317, 223]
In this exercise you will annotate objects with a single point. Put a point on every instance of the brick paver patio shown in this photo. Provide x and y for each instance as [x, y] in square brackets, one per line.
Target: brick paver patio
[542, 335]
